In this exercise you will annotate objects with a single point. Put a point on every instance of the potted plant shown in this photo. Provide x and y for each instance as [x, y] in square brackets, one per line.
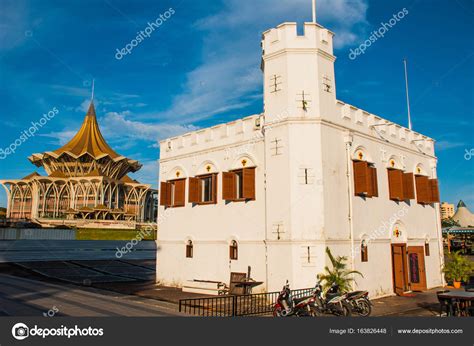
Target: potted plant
[457, 268]
[339, 273]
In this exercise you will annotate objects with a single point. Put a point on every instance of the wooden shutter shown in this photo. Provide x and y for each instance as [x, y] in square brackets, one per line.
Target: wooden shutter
[214, 188]
[248, 183]
[422, 189]
[179, 193]
[395, 184]
[194, 195]
[374, 189]
[228, 186]
[408, 187]
[434, 190]
[361, 178]
[165, 194]
[364, 253]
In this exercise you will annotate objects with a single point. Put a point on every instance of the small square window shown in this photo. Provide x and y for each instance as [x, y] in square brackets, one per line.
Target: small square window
[189, 249]
[233, 250]
[364, 252]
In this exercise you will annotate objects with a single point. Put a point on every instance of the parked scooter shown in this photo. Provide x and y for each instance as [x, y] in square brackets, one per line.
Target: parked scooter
[286, 305]
[331, 303]
[359, 300]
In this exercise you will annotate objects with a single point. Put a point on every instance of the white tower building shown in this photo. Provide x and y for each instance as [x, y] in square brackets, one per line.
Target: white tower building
[272, 191]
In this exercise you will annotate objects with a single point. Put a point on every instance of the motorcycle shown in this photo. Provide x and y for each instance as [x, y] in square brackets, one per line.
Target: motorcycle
[359, 300]
[287, 306]
[331, 303]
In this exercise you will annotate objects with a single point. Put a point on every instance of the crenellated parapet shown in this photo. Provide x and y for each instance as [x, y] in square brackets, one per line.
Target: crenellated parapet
[241, 130]
[373, 125]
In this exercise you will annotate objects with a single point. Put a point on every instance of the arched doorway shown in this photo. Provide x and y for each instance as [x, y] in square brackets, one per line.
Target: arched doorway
[408, 262]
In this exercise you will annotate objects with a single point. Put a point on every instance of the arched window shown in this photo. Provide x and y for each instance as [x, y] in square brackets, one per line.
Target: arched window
[364, 251]
[189, 249]
[233, 250]
[365, 176]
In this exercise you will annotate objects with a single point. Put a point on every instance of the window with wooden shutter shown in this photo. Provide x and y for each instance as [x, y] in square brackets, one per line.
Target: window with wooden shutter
[395, 184]
[203, 189]
[189, 249]
[165, 194]
[361, 178]
[228, 186]
[248, 183]
[423, 193]
[364, 252]
[233, 250]
[408, 186]
[194, 190]
[434, 190]
[374, 189]
[179, 195]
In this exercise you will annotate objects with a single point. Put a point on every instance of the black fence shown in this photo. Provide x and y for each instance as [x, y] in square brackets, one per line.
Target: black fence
[236, 305]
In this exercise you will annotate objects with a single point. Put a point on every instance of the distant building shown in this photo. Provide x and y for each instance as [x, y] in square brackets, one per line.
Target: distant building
[273, 190]
[87, 185]
[447, 210]
[463, 215]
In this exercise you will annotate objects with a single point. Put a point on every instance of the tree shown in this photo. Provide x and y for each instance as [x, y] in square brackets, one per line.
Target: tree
[339, 273]
[449, 222]
[457, 267]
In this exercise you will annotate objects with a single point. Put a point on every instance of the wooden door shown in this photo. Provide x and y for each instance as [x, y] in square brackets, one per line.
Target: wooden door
[416, 268]
[399, 268]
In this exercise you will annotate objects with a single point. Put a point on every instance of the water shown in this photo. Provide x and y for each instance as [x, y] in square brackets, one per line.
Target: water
[37, 234]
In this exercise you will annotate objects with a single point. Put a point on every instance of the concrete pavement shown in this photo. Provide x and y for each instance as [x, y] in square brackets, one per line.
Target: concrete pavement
[26, 297]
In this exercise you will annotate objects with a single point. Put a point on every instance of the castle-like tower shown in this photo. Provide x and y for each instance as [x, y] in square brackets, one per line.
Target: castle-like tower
[86, 183]
[274, 190]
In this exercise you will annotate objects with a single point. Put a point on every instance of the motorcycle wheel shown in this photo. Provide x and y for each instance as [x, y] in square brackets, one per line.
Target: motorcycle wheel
[346, 310]
[315, 312]
[277, 312]
[363, 308]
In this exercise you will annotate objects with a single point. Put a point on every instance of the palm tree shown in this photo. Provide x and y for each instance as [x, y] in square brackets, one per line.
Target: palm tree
[339, 273]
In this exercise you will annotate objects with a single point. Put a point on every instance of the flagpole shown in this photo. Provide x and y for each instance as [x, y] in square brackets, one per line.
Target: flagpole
[314, 11]
[408, 98]
[92, 95]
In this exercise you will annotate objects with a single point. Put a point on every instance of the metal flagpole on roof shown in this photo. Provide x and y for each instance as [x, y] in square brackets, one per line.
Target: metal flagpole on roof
[408, 98]
[314, 11]
[92, 96]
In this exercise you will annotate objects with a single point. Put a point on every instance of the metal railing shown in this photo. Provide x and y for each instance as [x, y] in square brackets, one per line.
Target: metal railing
[236, 305]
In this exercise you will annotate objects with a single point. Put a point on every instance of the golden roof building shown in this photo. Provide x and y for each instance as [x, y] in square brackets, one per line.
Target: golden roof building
[86, 184]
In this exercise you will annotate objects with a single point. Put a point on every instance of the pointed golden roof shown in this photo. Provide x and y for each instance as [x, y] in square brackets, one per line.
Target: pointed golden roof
[88, 144]
[88, 139]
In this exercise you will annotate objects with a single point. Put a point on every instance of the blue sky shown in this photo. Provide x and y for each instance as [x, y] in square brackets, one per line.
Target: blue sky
[201, 67]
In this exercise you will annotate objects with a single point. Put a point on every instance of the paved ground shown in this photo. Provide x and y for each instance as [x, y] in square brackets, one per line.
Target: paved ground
[127, 288]
[26, 297]
[63, 250]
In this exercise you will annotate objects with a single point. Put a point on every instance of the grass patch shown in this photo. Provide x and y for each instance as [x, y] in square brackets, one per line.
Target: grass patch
[111, 234]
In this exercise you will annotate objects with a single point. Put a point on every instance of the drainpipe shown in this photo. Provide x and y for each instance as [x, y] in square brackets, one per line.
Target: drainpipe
[265, 199]
[348, 140]
[439, 231]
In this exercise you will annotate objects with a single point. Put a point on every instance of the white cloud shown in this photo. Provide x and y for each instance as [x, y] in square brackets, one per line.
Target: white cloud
[116, 125]
[230, 75]
[148, 174]
[124, 132]
[445, 145]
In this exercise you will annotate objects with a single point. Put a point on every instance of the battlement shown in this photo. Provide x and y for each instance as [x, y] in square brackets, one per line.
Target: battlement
[247, 128]
[354, 117]
[285, 36]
